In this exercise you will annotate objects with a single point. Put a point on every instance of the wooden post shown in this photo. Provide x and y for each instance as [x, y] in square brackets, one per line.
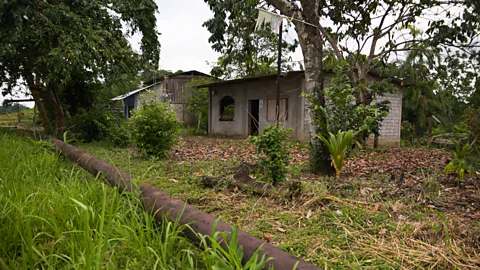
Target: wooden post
[18, 113]
[279, 71]
[34, 113]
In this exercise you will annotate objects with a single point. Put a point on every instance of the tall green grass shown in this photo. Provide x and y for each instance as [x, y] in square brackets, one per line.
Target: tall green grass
[54, 215]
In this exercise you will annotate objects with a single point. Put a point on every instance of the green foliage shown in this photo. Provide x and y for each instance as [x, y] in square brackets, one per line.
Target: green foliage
[98, 125]
[63, 50]
[471, 117]
[408, 132]
[341, 111]
[338, 146]
[119, 132]
[272, 144]
[218, 257]
[11, 108]
[155, 128]
[244, 52]
[89, 125]
[198, 102]
[460, 163]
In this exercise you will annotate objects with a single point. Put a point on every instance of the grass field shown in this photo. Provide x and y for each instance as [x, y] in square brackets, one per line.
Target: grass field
[54, 215]
[11, 119]
[362, 220]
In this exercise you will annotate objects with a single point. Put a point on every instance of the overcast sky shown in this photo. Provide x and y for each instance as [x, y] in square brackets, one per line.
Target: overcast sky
[184, 40]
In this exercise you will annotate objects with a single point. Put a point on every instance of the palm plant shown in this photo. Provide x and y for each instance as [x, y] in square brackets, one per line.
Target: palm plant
[460, 163]
[337, 146]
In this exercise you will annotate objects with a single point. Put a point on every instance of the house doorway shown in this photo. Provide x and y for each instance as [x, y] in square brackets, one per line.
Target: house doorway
[253, 115]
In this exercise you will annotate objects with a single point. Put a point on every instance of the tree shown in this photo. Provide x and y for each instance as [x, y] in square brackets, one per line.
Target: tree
[150, 74]
[377, 27]
[244, 52]
[49, 45]
[198, 102]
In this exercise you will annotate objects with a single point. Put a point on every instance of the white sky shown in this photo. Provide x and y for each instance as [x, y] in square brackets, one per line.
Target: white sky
[184, 40]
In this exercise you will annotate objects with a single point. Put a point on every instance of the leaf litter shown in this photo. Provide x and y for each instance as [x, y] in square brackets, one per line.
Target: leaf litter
[395, 220]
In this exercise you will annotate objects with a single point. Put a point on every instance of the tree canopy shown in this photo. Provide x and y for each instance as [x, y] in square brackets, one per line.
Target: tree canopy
[244, 52]
[50, 45]
[367, 35]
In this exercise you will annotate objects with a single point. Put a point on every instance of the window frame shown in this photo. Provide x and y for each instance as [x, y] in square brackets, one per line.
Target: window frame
[226, 102]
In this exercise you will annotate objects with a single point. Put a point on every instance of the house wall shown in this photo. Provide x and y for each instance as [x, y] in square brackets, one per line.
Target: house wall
[291, 87]
[171, 90]
[261, 90]
[391, 125]
[155, 93]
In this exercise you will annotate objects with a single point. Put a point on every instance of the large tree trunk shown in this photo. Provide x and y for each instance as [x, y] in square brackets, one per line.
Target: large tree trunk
[48, 103]
[311, 40]
[59, 113]
[36, 90]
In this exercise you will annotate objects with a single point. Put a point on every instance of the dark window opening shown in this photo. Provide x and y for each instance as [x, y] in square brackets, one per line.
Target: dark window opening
[227, 109]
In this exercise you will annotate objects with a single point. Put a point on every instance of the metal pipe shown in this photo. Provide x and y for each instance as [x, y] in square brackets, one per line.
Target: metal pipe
[161, 205]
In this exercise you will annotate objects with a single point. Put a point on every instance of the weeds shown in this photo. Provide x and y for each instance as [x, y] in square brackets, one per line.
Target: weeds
[381, 226]
[54, 215]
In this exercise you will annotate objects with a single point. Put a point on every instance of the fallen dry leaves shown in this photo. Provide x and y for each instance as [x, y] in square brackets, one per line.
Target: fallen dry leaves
[223, 149]
[403, 168]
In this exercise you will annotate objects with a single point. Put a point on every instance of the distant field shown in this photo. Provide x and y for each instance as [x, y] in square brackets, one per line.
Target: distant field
[11, 119]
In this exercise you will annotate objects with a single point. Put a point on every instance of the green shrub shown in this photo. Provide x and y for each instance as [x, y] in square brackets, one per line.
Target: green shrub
[198, 103]
[471, 117]
[89, 125]
[97, 125]
[119, 132]
[155, 127]
[271, 143]
[408, 132]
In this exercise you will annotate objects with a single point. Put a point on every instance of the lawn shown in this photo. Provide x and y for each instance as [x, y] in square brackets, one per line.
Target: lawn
[390, 208]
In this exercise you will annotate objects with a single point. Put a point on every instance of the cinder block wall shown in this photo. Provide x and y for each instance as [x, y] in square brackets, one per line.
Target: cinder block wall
[391, 125]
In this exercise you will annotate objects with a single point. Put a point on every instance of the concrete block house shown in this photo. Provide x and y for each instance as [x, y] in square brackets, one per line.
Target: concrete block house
[171, 88]
[243, 107]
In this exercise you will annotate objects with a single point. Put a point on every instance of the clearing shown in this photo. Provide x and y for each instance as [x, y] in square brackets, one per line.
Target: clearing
[391, 208]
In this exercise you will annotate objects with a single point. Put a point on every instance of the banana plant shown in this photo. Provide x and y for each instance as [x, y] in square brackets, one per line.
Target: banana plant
[337, 146]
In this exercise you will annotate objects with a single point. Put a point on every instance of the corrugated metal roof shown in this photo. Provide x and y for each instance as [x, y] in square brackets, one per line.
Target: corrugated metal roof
[133, 92]
[121, 97]
[375, 74]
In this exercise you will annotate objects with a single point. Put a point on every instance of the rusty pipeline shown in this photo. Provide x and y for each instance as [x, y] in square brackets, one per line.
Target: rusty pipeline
[161, 205]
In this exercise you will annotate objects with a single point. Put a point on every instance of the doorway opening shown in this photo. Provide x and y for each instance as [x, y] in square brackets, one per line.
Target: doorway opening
[253, 113]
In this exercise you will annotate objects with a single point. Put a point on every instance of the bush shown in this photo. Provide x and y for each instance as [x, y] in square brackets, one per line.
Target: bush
[155, 127]
[198, 103]
[119, 132]
[341, 110]
[96, 125]
[89, 125]
[460, 163]
[276, 155]
[471, 117]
